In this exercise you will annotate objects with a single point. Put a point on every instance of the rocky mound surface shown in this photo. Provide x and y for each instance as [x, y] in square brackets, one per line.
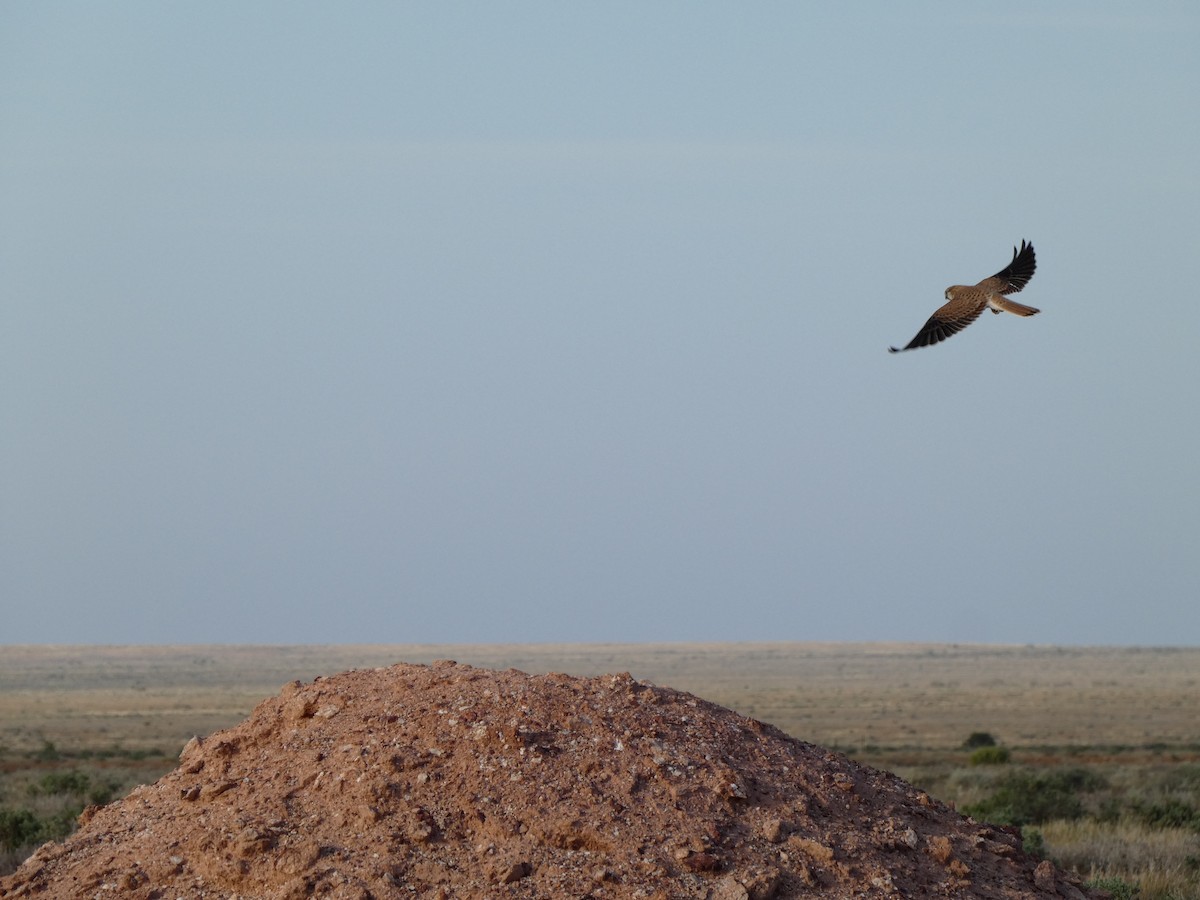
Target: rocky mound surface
[449, 781]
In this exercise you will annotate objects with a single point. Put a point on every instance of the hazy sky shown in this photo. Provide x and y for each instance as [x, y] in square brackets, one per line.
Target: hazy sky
[569, 322]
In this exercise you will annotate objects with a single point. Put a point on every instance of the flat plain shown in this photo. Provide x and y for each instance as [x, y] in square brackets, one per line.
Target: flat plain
[876, 695]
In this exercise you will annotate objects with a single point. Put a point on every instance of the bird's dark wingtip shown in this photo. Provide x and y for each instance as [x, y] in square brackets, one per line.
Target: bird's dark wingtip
[893, 349]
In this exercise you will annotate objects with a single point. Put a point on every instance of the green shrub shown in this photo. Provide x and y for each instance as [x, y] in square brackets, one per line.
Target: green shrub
[1110, 811]
[76, 784]
[72, 782]
[979, 739]
[24, 828]
[101, 794]
[1023, 798]
[990, 756]
[1171, 814]
[1116, 887]
[1033, 842]
[59, 825]
[1078, 779]
[18, 828]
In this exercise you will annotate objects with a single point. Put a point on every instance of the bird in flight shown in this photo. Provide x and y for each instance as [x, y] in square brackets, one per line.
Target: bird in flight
[964, 303]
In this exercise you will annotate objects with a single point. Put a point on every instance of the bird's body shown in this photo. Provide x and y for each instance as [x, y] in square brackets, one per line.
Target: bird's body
[964, 303]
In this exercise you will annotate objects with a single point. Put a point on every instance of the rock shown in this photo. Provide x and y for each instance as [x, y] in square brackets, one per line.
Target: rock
[507, 873]
[701, 862]
[1044, 877]
[773, 830]
[940, 848]
[728, 888]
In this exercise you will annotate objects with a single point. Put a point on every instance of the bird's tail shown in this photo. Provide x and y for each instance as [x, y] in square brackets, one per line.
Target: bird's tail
[999, 303]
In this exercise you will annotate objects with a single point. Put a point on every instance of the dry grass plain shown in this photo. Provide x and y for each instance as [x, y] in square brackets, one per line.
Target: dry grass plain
[923, 696]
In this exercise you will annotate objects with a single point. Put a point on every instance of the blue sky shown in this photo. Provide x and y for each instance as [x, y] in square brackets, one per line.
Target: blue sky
[459, 322]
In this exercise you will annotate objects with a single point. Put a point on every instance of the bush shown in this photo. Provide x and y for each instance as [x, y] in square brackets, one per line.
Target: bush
[59, 825]
[101, 794]
[1022, 798]
[18, 828]
[1033, 843]
[990, 756]
[979, 739]
[1116, 887]
[1172, 814]
[1110, 811]
[76, 784]
[73, 782]
[1078, 780]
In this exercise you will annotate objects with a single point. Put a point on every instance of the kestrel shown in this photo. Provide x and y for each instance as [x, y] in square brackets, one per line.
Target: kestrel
[964, 304]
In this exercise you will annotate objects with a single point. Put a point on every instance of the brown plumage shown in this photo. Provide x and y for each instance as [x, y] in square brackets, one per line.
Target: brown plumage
[964, 303]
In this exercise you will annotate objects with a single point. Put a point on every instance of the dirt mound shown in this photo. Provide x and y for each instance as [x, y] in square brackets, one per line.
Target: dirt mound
[450, 781]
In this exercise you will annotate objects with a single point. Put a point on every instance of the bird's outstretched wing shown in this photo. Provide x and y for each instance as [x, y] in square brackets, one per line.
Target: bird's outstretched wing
[950, 319]
[1016, 274]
